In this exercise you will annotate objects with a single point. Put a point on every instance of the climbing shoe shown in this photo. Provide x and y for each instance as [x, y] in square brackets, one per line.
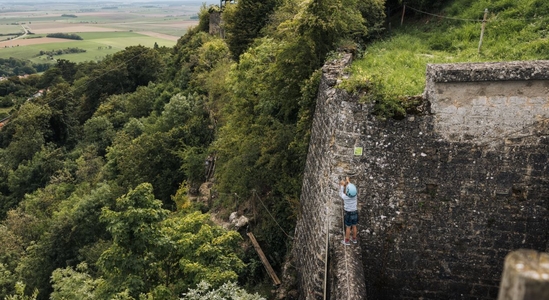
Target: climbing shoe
[345, 242]
[354, 241]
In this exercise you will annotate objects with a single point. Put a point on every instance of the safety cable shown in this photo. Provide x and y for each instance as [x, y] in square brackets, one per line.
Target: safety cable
[473, 20]
[326, 249]
[254, 192]
[440, 16]
[345, 251]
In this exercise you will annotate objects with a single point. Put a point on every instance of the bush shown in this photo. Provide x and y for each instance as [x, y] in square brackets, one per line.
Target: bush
[70, 36]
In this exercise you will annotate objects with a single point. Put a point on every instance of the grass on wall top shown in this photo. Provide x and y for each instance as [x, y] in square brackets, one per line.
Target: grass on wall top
[393, 68]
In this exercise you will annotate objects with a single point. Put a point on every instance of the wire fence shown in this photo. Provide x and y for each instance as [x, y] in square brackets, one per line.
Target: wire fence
[493, 18]
[487, 18]
[438, 16]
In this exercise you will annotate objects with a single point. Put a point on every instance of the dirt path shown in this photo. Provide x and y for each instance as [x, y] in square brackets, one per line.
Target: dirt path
[36, 41]
[160, 35]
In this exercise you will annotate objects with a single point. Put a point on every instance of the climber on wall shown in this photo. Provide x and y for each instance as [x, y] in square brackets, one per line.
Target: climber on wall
[348, 192]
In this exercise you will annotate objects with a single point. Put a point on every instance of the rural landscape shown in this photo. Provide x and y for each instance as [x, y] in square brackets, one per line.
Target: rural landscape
[104, 27]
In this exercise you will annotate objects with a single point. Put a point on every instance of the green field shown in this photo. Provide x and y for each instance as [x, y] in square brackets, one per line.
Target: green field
[96, 45]
[8, 29]
[125, 20]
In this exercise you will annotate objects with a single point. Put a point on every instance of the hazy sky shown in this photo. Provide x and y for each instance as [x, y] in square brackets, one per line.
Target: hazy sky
[16, 2]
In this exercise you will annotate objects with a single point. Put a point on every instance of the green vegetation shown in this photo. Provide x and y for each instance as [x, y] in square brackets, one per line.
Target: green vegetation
[99, 175]
[97, 46]
[228, 290]
[394, 68]
[61, 51]
[70, 36]
[10, 29]
[96, 175]
[14, 67]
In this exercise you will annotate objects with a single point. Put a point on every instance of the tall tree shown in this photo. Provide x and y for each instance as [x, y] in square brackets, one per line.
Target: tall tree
[134, 223]
[244, 21]
[159, 255]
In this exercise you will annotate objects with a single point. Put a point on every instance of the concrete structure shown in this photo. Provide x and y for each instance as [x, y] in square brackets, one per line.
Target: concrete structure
[215, 23]
[444, 195]
[525, 276]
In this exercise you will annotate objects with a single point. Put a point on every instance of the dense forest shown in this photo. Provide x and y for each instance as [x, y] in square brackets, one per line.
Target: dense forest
[101, 176]
[14, 67]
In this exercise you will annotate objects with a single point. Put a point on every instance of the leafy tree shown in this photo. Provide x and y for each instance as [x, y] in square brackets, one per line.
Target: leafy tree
[229, 291]
[121, 73]
[69, 283]
[68, 69]
[150, 250]
[374, 16]
[64, 120]
[89, 165]
[193, 159]
[147, 158]
[51, 77]
[98, 131]
[134, 223]
[325, 22]
[210, 54]
[200, 251]
[426, 5]
[203, 20]
[72, 219]
[13, 66]
[119, 109]
[185, 58]
[96, 88]
[7, 281]
[35, 173]
[20, 293]
[19, 87]
[143, 64]
[26, 132]
[244, 21]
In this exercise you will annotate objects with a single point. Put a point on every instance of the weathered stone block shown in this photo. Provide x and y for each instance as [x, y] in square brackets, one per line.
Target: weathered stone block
[525, 276]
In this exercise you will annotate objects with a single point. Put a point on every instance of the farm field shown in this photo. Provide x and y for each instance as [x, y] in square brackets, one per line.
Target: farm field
[106, 27]
[97, 46]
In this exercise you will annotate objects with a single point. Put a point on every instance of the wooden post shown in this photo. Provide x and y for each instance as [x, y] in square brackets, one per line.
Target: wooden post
[264, 260]
[403, 12]
[482, 28]
[525, 276]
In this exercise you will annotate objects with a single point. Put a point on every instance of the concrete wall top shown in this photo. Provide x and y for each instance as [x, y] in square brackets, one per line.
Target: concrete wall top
[491, 71]
[488, 102]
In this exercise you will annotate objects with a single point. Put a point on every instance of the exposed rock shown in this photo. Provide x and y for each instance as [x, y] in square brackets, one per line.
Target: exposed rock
[238, 222]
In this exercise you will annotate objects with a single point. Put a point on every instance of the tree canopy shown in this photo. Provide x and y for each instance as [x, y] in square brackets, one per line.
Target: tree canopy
[99, 173]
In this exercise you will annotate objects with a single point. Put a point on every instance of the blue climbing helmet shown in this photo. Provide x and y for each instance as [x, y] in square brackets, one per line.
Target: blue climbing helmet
[350, 190]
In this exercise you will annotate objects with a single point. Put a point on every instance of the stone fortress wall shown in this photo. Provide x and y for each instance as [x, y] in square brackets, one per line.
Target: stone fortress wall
[444, 195]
